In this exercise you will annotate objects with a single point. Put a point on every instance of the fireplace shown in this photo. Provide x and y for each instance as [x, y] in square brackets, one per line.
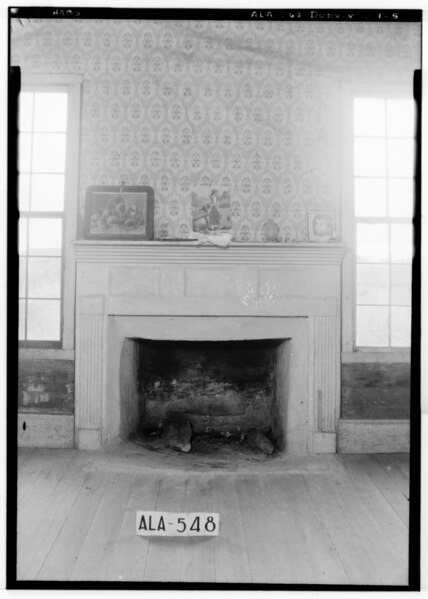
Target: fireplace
[217, 388]
[280, 299]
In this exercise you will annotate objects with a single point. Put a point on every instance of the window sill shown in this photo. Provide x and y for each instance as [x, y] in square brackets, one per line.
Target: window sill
[39, 353]
[381, 356]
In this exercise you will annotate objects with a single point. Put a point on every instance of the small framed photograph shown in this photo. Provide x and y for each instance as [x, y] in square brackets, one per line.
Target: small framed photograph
[321, 225]
[119, 212]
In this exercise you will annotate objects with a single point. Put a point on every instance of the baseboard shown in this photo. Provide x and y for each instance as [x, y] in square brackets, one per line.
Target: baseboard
[45, 430]
[373, 436]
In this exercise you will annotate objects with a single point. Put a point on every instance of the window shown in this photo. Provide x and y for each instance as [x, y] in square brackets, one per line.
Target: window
[383, 130]
[47, 164]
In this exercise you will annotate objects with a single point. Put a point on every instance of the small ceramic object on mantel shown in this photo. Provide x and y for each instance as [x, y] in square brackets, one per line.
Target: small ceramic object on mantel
[270, 230]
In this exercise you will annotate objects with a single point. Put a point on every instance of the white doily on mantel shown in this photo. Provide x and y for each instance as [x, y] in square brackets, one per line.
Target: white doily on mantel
[221, 239]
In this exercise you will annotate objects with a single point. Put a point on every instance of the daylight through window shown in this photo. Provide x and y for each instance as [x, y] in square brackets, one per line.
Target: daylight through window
[383, 204]
[42, 170]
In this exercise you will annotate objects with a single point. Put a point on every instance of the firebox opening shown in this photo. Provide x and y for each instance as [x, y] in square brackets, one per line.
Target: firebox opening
[188, 391]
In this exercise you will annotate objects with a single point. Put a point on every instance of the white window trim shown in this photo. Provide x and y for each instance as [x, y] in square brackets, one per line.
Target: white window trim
[349, 91]
[73, 85]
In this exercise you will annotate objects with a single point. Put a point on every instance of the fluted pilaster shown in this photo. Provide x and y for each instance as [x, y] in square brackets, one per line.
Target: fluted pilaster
[90, 364]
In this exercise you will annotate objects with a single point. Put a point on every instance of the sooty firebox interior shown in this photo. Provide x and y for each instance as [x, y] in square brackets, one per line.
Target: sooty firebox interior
[185, 389]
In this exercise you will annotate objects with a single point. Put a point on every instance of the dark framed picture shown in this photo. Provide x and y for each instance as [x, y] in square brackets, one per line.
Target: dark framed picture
[119, 212]
[321, 225]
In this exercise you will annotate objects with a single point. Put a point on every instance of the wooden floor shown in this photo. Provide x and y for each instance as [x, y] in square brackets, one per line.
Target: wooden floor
[333, 519]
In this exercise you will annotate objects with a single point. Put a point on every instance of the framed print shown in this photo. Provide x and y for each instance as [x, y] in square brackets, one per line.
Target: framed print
[119, 212]
[321, 225]
[211, 209]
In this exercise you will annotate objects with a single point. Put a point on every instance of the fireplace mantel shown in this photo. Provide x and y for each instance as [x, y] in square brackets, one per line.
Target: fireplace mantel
[180, 290]
[188, 252]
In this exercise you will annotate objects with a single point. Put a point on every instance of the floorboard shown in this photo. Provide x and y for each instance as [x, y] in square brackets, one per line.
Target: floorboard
[358, 565]
[230, 548]
[316, 520]
[94, 558]
[69, 542]
[163, 550]
[42, 515]
[367, 529]
[127, 560]
[269, 533]
[399, 460]
[313, 538]
[283, 531]
[395, 471]
[393, 528]
[197, 553]
[24, 455]
[41, 468]
[386, 484]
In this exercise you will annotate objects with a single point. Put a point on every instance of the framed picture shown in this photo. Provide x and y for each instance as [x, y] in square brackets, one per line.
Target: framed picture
[321, 225]
[119, 212]
[211, 209]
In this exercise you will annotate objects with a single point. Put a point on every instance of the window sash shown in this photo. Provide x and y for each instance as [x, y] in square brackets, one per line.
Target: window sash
[395, 90]
[32, 216]
[26, 256]
[72, 84]
[385, 209]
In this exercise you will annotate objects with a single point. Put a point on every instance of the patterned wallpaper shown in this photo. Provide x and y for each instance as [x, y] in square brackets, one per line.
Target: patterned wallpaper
[251, 107]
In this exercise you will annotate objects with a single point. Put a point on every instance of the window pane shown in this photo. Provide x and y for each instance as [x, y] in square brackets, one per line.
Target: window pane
[22, 276]
[47, 192]
[400, 118]
[370, 197]
[400, 197]
[50, 111]
[400, 326]
[21, 320]
[45, 236]
[26, 111]
[401, 284]
[44, 277]
[49, 152]
[43, 320]
[369, 116]
[401, 243]
[400, 157]
[24, 160]
[372, 242]
[372, 284]
[24, 192]
[370, 157]
[372, 326]
[22, 235]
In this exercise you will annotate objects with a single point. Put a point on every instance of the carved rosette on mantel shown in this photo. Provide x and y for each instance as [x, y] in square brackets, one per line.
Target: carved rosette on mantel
[172, 290]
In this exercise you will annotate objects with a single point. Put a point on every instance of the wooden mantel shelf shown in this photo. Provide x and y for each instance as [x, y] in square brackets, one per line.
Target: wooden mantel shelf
[187, 252]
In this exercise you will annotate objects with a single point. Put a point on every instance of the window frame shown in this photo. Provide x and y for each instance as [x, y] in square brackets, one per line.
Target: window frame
[349, 91]
[72, 85]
